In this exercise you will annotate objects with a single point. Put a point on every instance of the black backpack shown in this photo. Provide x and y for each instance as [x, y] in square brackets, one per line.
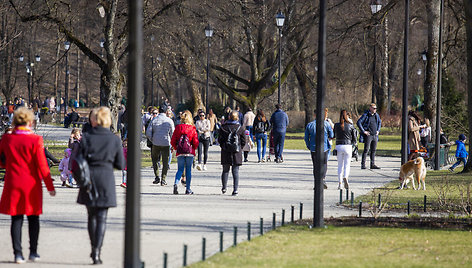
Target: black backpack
[232, 142]
[259, 127]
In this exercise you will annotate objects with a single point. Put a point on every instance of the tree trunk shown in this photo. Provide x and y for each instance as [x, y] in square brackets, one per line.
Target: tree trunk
[305, 88]
[383, 93]
[430, 91]
[468, 24]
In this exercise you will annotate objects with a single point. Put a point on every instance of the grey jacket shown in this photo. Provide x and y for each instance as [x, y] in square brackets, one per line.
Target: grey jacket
[160, 130]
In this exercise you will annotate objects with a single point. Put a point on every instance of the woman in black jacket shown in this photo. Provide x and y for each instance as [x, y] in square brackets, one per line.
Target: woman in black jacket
[261, 126]
[103, 152]
[229, 156]
[345, 134]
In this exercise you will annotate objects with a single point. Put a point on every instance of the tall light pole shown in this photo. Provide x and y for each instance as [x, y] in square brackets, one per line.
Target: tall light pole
[152, 74]
[37, 59]
[208, 34]
[375, 6]
[404, 147]
[66, 85]
[438, 96]
[30, 73]
[279, 20]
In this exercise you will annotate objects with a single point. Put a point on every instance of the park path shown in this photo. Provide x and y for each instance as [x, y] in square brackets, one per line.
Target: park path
[170, 221]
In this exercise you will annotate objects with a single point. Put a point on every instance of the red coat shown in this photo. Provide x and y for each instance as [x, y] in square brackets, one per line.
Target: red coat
[25, 164]
[191, 132]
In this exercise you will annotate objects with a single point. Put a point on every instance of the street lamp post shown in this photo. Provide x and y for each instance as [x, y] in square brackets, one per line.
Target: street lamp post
[152, 74]
[37, 59]
[279, 20]
[375, 6]
[66, 85]
[208, 34]
[404, 147]
[438, 94]
[30, 73]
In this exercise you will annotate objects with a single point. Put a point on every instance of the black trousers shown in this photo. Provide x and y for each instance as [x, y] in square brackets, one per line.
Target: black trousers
[324, 166]
[97, 219]
[33, 228]
[370, 144]
[225, 175]
[203, 147]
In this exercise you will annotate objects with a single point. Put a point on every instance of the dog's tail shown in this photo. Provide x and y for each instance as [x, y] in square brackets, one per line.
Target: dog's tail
[419, 160]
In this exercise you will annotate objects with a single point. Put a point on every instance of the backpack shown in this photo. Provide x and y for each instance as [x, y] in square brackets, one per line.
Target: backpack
[259, 127]
[184, 146]
[148, 141]
[232, 142]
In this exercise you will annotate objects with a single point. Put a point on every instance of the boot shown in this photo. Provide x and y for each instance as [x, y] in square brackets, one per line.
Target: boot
[96, 256]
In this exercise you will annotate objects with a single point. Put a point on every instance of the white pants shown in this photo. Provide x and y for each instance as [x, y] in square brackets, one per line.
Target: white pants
[344, 160]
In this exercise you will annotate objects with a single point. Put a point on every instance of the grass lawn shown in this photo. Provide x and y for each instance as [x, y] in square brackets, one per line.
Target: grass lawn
[299, 246]
[445, 191]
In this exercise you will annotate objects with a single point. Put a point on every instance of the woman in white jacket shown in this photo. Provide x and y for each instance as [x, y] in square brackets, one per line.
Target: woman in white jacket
[203, 131]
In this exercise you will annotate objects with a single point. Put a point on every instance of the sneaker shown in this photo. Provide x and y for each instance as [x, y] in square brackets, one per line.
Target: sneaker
[258, 161]
[451, 169]
[204, 167]
[183, 181]
[123, 185]
[268, 159]
[363, 167]
[245, 160]
[175, 189]
[63, 184]
[346, 184]
[68, 184]
[19, 258]
[234, 193]
[163, 182]
[340, 186]
[34, 257]
[325, 186]
[188, 192]
[199, 167]
[157, 180]
[223, 191]
[374, 167]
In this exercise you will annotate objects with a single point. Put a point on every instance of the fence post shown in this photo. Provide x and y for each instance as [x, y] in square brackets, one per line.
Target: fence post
[203, 248]
[165, 260]
[301, 210]
[235, 236]
[360, 209]
[340, 196]
[248, 231]
[293, 214]
[185, 255]
[352, 199]
[273, 221]
[283, 217]
[261, 226]
[380, 199]
[347, 194]
[424, 207]
[408, 208]
[221, 241]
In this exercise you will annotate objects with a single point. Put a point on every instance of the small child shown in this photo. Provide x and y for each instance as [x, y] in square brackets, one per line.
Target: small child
[249, 144]
[461, 152]
[125, 170]
[66, 175]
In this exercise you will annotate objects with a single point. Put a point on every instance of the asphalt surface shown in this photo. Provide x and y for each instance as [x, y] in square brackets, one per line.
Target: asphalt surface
[169, 221]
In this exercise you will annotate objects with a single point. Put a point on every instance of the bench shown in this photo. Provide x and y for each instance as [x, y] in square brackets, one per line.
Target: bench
[82, 120]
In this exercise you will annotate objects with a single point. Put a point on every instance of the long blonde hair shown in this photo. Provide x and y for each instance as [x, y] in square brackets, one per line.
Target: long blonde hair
[186, 118]
[22, 116]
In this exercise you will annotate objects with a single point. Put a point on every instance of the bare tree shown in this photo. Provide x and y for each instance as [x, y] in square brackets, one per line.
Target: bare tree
[468, 27]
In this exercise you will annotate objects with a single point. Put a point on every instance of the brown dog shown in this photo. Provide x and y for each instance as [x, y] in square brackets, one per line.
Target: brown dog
[413, 167]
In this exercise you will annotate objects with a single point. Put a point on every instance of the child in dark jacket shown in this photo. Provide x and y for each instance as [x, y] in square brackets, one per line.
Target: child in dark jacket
[461, 152]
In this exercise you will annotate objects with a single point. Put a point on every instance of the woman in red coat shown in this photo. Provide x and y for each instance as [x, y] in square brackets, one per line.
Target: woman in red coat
[185, 147]
[22, 156]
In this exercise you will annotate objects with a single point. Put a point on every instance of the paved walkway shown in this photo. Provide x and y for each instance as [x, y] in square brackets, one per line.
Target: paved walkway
[170, 221]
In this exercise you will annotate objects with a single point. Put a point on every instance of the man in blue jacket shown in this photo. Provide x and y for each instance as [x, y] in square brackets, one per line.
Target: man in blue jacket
[310, 136]
[369, 125]
[279, 122]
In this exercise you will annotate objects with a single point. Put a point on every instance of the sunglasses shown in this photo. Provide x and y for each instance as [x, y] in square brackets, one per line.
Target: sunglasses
[155, 113]
[202, 115]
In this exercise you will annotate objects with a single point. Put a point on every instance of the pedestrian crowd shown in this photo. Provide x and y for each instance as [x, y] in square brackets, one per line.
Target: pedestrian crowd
[185, 135]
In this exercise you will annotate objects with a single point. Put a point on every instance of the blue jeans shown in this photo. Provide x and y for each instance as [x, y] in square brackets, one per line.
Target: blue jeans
[261, 137]
[279, 139]
[459, 160]
[184, 162]
[250, 128]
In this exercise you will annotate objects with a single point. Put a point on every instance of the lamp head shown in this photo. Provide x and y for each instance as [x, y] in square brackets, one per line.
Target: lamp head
[280, 19]
[208, 31]
[375, 6]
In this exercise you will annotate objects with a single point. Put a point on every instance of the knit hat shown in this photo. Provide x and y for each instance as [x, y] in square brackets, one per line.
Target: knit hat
[462, 137]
